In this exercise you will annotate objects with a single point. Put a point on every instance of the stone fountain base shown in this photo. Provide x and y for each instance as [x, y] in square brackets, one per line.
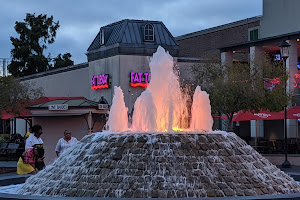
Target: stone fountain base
[156, 165]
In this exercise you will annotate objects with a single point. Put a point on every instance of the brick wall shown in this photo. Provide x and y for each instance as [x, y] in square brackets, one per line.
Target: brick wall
[210, 42]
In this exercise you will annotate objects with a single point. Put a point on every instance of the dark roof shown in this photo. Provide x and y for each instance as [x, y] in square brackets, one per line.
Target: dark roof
[70, 102]
[263, 41]
[55, 71]
[127, 34]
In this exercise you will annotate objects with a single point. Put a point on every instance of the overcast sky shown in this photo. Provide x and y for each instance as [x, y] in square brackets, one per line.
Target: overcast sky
[80, 21]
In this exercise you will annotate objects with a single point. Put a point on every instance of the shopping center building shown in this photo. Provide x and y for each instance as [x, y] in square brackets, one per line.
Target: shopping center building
[119, 56]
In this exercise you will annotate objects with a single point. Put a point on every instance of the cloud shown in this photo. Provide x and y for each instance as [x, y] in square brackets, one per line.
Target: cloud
[81, 20]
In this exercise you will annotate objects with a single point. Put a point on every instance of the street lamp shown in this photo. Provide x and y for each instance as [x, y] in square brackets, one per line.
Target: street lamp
[284, 51]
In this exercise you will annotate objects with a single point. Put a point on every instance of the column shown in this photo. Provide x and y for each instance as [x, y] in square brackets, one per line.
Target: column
[226, 58]
[291, 67]
[256, 55]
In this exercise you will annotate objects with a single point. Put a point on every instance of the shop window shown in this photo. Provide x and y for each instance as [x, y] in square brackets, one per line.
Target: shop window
[253, 34]
[149, 33]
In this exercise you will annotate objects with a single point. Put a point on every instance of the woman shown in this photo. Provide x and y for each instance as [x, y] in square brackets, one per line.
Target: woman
[35, 138]
[29, 159]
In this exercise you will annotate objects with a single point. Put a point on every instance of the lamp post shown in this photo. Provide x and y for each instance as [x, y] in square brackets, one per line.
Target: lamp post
[284, 51]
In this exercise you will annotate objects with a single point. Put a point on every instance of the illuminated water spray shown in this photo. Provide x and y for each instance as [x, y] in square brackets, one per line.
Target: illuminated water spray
[118, 120]
[162, 106]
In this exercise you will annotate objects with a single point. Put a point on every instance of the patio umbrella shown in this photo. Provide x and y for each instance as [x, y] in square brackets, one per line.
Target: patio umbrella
[293, 112]
[262, 115]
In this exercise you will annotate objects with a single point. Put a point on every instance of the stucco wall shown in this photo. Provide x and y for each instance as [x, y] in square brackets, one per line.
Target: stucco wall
[279, 17]
[137, 64]
[104, 66]
[66, 84]
[53, 130]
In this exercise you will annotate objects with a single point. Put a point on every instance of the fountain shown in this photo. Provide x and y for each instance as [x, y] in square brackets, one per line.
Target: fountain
[160, 156]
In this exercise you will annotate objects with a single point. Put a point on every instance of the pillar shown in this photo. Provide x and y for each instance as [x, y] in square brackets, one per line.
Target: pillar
[291, 67]
[256, 55]
[226, 58]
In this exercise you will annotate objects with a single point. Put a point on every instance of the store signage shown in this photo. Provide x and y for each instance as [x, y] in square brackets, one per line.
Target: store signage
[297, 81]
[100, 81]
[262, 115]
[102, 106]
[296, 115]
[270, 83]
[139, 79]
[58, 107]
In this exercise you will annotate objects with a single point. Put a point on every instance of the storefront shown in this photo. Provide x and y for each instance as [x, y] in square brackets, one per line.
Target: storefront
[80, 116]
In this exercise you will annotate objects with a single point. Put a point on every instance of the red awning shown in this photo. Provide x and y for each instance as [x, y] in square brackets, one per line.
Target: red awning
[262, 115]
[24, 111]
[293, 112]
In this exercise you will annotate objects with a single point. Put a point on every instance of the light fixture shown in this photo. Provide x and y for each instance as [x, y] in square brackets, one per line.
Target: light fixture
[284, 49]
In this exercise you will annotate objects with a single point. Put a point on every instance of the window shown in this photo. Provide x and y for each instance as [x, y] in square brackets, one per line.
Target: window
[101, 37]
[253, 34]
[149, 32]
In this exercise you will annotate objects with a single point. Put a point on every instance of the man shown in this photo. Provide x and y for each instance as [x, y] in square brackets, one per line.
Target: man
[66, 142]
[35, 138]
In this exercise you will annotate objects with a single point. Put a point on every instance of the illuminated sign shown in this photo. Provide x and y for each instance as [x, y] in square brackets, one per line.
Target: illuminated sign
[139, 79]
[270, 83]
[58, 107]
[297, 81]
[262, 115]
[100, 81]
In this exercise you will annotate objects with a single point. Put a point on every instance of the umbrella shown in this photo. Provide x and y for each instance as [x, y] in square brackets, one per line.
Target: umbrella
[293, 112]
[262, 115]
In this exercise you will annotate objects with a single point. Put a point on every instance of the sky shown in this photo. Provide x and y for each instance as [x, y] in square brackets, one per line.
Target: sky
[80, 21]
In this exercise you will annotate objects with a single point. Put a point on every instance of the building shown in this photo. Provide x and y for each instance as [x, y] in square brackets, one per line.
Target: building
[247, 40]
[118, 56]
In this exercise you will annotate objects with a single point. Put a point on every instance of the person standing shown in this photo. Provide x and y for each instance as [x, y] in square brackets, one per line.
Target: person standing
[64, 143]
[35, 138]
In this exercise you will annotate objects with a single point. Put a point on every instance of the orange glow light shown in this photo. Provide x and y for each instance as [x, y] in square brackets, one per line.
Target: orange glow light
[139, 84]
[99, 86]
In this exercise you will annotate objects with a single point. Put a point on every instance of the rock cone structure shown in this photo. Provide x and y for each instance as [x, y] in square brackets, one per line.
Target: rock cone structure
[160, 165]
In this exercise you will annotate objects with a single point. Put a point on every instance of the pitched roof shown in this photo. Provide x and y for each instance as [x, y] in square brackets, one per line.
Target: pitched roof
[132, 32]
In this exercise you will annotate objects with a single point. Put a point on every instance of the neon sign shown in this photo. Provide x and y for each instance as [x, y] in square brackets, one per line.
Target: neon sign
[297, 81]
[139, 79]
[270, 83]
[100, 81]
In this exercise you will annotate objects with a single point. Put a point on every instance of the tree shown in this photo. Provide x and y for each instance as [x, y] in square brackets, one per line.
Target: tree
[242, 87]
[35, 34]
[15, 96]
[62, 61]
